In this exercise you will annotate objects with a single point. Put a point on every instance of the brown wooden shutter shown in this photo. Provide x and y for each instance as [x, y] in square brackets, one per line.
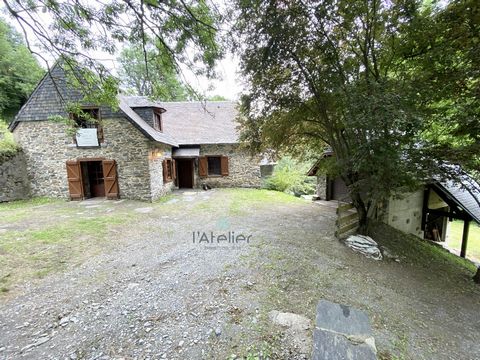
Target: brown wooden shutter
[174, 171]
[74, 176]
[111, 179]
[100, 133]
[202, 166]
[164, 171]
[224, 165]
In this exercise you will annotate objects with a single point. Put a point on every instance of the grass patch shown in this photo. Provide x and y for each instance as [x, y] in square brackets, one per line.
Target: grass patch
[420, 252]
[455, 238]
[26, 204]
[36, 253]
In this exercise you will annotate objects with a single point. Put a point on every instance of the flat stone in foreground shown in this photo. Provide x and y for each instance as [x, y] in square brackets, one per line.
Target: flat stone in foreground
[342, 333]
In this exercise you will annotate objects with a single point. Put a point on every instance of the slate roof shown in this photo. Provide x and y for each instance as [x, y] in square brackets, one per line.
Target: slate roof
[184, 123]
[144, 127]
[195, 123]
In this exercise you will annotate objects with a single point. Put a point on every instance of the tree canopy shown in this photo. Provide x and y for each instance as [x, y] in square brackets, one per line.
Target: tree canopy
[343, 74]
[183, 32]
[19, 71]
[150, 74]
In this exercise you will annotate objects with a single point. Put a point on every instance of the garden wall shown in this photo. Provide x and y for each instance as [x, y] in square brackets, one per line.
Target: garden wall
[14, 184]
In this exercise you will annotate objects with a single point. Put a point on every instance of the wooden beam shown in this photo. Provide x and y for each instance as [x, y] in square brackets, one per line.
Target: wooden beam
[449, 214]
[466, 226]
[426, 196]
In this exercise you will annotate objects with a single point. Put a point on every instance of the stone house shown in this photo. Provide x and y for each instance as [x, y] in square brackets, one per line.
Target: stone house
[142, 150]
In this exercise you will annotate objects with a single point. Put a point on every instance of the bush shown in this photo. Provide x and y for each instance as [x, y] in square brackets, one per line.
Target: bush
[8, 146]
[290, 176]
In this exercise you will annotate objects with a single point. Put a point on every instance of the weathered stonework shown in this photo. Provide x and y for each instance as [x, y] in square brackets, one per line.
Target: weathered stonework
[244, 170]
[321, 189]
[158, 187]
[14, 184]
[48, 146]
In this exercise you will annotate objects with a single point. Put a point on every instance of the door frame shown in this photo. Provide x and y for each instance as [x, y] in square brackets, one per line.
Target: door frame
[192, 162]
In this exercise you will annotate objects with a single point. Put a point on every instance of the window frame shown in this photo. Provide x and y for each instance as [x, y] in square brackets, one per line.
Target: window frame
[94, 125]
[157, 120]
[219, 159]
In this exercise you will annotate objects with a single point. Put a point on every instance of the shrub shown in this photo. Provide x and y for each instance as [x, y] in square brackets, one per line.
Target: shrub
[290, 176]
[8, 146]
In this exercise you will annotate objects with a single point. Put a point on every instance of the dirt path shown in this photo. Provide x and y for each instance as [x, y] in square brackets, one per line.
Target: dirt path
[150, 292]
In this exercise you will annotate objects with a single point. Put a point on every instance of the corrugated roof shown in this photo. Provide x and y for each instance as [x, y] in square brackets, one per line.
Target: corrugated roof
[193, 123]
[466, 195]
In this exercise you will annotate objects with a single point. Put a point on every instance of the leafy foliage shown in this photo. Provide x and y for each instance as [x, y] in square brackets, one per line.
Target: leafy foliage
[8, 146]
[337, 73]
[289, 176]
[149, 73]
[19, 71]
[179, 32]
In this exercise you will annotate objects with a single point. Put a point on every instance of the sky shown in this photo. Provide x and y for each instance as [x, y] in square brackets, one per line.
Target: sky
[228, 84]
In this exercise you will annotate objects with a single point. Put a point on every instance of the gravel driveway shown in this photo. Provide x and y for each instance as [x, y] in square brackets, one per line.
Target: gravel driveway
[151, 292]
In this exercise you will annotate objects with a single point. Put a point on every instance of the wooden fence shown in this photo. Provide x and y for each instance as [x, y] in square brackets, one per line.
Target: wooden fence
[347, 219]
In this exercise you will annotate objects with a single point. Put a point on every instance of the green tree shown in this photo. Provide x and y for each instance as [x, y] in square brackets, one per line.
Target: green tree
[19, 71]
[150, 74]
[182, 32]
[337, 73]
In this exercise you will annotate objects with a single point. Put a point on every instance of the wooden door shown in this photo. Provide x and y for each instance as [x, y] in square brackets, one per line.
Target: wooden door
[111, 179]
[74, 176]
[185, 173]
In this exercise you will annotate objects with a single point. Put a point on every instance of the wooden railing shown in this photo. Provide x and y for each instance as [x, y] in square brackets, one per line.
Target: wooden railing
[347, 219]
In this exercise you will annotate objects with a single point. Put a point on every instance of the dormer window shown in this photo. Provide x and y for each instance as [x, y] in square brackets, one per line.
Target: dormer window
[157, 120]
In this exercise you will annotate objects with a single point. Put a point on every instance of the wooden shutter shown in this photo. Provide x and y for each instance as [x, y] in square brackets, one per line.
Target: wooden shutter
[110, 178]
[100, 133]
[74, 176]
[174, 171]
[164, 171]
[224, 165]
[202, 166]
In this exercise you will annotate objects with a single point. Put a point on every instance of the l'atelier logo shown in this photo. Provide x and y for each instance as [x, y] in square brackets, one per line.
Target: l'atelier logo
[224, 238]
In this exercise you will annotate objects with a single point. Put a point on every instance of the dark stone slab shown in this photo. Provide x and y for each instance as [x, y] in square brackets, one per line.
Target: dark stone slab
[331, 346]
[342, 319]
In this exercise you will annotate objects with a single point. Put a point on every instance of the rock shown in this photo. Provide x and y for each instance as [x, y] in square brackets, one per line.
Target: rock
[218, 331]
[342, 332]
[180, 344]
[364, 245]
[144, 210]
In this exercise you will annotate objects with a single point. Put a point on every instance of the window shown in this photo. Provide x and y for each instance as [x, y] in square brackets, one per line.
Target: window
[214, 165]
[157, 120]
[168, 170]
[88, 118]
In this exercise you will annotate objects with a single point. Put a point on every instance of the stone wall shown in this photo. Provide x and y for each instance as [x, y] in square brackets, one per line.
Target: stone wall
[14, 184]
[158, 187]
[47, 147]
[244, 170]
[321, 188]
[405, 213]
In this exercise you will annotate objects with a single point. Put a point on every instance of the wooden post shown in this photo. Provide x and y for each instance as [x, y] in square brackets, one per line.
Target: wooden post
[466, 226]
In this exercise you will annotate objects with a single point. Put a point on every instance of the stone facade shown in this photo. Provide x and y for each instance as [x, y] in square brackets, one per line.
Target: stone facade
[155, 160]
[47, 147]
[321, 188]
[244, 170]
[14, 184]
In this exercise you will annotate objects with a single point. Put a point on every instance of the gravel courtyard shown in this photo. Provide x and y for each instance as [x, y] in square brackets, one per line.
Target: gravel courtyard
[123, 279]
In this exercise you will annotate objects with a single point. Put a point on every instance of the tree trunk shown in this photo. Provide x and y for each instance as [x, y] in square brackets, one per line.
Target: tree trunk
[476, 278]
[361, 212]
